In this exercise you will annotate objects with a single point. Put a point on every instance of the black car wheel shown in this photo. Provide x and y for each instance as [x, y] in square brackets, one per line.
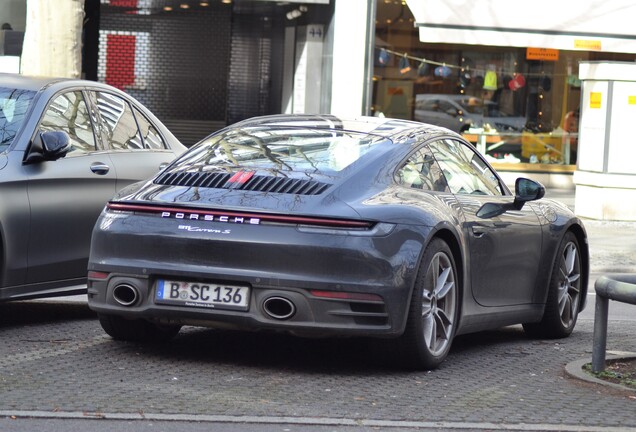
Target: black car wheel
[433, 312]
[564, 293]
[136, 330]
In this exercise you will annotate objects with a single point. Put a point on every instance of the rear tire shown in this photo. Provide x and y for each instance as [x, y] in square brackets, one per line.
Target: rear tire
[564, 293]
[136, 330]
[432, 318]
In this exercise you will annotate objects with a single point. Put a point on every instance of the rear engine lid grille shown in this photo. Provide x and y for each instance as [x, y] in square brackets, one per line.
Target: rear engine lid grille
[259, 183]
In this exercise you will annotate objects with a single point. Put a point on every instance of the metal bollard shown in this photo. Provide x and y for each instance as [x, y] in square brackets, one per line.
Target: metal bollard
[621, 287]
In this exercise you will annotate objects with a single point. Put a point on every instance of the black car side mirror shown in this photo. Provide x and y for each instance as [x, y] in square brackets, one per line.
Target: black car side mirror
[525, 190]
[48, 146]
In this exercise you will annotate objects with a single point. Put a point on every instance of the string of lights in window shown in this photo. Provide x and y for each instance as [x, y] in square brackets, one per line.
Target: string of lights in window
[466, 72]
[485, 78]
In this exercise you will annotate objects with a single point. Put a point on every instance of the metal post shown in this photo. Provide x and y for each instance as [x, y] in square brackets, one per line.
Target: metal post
[600, 333]
[619, 287]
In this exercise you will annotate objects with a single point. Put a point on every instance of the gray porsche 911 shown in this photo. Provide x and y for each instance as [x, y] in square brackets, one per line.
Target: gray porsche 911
[323, 226]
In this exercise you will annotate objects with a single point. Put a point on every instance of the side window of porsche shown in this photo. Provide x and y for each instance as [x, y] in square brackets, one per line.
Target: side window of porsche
[421, 171]
[68, 112]
[464, 170]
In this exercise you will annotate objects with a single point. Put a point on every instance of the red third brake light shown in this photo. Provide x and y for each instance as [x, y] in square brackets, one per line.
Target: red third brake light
[346, 296]
[241, 177]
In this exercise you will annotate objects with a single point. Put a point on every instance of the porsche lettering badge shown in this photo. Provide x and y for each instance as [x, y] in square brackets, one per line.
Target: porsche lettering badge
[211, 218]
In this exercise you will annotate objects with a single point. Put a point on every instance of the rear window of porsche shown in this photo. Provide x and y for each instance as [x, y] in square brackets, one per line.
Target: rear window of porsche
[281, 149]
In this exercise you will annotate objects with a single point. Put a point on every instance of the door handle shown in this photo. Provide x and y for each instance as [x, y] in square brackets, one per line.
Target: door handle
[478, 232]
[100, 168]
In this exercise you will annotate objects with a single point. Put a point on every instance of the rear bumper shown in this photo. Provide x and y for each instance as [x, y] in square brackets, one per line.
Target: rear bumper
[275, 261]
[306, 314]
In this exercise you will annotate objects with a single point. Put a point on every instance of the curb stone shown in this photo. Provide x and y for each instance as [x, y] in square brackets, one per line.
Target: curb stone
[575, 370]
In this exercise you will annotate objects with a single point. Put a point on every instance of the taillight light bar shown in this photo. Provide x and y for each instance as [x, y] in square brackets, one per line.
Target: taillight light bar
[98, 275]
[339, 295]
[249, 218]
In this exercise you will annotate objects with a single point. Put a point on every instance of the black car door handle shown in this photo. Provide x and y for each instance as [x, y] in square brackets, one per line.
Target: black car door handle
[479, 232]
[100, 168]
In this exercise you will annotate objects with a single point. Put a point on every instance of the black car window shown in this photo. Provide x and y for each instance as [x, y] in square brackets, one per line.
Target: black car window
[447, 107]
[429, 105]
[119, 122]
[68, 112]
[464, 170]
[14, 104]
[152, 138]
[421, 171]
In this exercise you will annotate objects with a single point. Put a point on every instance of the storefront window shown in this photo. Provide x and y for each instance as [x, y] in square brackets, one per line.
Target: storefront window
[12, 25]
[517, 105]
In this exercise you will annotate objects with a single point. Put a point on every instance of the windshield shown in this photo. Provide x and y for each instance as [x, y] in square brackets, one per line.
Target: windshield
[281, 149]
[14, 104]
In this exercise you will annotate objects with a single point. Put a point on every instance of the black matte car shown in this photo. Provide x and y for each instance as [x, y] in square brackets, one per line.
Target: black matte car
[323, 226]
[66, 147]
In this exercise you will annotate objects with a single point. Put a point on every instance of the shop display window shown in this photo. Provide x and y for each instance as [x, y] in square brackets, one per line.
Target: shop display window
[518, 105]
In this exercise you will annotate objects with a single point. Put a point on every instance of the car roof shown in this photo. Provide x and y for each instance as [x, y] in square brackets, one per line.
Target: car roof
[40, 83]
[34, 83]
[379, 126]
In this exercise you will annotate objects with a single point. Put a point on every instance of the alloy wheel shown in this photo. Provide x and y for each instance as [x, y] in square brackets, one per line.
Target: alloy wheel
[438, 304]
[569, 286]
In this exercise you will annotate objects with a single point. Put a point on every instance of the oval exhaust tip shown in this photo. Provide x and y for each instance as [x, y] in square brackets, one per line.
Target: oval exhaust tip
[125, 294]
[279, 308]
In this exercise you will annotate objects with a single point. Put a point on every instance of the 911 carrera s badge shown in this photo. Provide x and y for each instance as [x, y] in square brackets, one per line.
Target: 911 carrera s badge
[191, 228]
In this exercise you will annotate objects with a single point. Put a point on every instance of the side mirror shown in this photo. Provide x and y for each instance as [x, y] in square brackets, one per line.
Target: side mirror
[527, 190]
[452, 112]
[48, 146]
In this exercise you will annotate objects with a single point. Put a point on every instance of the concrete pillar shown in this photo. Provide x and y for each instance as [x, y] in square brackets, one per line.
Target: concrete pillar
[308, 70]
[349, 80]
[52, 40]
[605, 178]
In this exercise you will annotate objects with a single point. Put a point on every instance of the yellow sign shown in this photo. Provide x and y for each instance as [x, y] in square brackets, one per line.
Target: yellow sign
[595, 99]
[545, 54]
[631, 100]
[594, 45]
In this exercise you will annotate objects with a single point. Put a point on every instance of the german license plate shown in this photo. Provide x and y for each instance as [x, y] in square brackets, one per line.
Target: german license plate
[202, 294]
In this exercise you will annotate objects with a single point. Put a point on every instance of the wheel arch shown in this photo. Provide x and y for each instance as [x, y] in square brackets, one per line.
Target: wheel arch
[581, 237]
[453, 243]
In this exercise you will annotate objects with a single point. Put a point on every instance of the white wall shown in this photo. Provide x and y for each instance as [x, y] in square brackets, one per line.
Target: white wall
[349, 54]
[52, 42]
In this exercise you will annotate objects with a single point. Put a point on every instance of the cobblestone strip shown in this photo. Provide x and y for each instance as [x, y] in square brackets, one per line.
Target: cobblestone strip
[64, 347]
